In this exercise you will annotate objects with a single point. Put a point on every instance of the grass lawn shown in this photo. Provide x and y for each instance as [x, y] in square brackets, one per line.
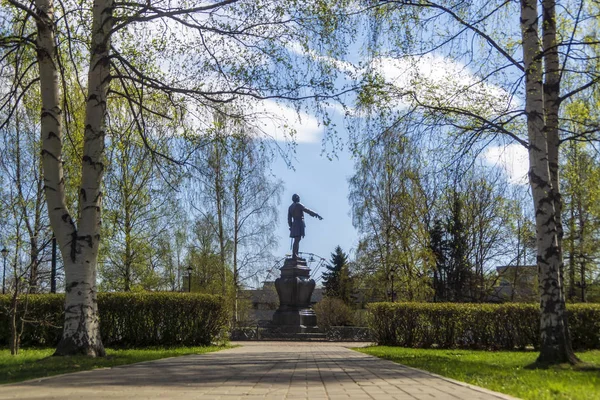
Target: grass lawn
[503, 371]
[37, 363]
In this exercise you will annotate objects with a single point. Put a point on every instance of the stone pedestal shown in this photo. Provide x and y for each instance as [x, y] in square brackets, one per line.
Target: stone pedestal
[294, 289]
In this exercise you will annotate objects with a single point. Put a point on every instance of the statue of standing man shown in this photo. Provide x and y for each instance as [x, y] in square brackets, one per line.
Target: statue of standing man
[296, 222]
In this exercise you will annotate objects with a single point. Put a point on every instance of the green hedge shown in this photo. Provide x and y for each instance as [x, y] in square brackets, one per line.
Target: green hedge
[127, 319]
[485, 326]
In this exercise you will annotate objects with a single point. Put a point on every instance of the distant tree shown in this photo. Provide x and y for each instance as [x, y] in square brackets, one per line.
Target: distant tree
[25, 226]
[468, 236]
[390, 210]
[204, 257]
[453, 270]
[460, 269]
[337, 279]
[439, 249]
[171, 252]
[254, 196]
[522, 243]
[139, 204]
[237, 196]
[581, 213]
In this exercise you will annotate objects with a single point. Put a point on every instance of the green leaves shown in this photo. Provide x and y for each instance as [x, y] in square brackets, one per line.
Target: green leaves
[372, 91]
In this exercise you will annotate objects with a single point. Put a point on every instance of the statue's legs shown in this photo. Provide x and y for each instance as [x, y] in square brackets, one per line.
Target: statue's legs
[296, 247]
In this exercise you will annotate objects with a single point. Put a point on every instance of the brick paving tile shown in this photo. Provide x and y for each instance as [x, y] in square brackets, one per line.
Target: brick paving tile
[255, 370]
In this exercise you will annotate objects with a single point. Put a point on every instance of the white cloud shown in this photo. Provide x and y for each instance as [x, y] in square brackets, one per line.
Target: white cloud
[513, 159]
[282, 123]
[339, 109]
[267, 119]
[440, 81]
[342, 66]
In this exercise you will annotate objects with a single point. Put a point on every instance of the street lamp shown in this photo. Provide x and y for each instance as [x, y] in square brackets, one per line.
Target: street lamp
[189, 271]
[4, 252]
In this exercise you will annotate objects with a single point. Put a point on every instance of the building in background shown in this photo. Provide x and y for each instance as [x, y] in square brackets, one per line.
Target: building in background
[517, 283]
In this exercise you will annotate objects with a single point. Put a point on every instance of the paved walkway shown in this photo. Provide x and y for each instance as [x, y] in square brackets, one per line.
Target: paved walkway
[256, 370]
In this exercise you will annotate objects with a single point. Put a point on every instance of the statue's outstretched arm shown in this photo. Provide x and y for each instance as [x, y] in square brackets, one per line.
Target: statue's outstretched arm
[311, 213]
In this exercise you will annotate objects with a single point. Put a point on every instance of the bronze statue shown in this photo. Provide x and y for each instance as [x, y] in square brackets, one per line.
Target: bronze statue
[296, 222]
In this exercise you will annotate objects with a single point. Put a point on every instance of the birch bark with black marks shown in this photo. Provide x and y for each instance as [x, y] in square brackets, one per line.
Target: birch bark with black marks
[554, 346]
[78, 242]
[551, 108]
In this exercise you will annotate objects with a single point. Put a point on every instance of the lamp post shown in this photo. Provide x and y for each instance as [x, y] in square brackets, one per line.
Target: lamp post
[53, 267]
[392, 272]
[189, 271]
[4, 252]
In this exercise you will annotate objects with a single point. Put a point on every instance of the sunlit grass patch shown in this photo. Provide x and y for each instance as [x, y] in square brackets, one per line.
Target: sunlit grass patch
[39, 363]
[504, 371]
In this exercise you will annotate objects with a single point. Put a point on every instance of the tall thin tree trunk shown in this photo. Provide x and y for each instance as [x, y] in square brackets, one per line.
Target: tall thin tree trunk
[519, 233]
[555, 344]
[23, 208]
[572, 250]
[79, 247]
[15, 338]
[219, 190]
[235, 255]
[34, 232]
[128, 259]
[37, 227]
[580, 251]
[551, 109]
[15, 298]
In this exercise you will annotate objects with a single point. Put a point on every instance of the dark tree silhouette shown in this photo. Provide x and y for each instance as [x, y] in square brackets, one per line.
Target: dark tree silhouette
[337, 279]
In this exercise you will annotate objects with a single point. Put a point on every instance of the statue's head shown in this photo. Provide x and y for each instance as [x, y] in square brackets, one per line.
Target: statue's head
[295, 198]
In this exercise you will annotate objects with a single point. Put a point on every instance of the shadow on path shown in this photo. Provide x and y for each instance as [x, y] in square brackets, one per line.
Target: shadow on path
[236, 368]
[265, 370]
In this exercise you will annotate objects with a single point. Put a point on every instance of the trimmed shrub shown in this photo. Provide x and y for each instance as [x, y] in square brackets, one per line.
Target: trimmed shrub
[332, 311]
[484, 326]
[127, 319]
[45, 316]
[584, 325]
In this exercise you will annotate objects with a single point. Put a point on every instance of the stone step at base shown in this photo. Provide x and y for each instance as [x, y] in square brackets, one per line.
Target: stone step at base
[292, 336]
[334, 333]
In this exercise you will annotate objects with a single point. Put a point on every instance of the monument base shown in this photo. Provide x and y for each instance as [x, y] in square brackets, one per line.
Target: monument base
[304, 318]
[294, 289]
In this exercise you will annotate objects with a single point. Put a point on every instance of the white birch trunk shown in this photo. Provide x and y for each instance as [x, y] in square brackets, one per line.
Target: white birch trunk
[552, 106]
[79, 324]
[51, 128]
[79, 247]
[553, 347]
[551, 90]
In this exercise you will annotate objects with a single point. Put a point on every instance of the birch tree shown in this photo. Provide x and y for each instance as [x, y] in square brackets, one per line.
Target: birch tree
[389, 208]
[198, 55]
[232, 183]
[255, 195]
[581, 182]
[140, 203]
[23, 196]
[474, 84]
